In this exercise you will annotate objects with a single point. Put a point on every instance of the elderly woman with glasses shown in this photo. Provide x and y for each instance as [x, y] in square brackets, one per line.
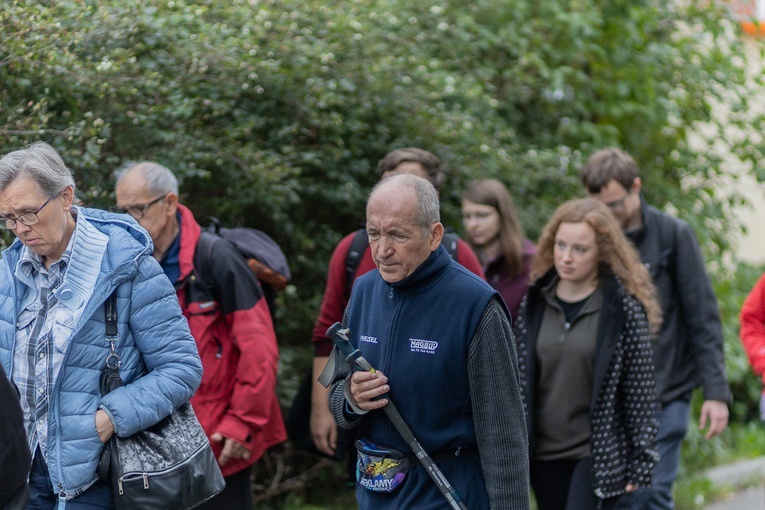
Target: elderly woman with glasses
[54, 279]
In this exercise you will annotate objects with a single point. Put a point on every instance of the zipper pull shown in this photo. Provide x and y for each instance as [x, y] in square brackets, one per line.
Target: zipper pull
[566, 327]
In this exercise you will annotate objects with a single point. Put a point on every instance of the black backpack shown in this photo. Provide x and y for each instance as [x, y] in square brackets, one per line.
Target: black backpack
[359, 246]
[263, 255]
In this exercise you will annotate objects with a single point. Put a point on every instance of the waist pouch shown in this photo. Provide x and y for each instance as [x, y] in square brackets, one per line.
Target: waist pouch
[380, 469]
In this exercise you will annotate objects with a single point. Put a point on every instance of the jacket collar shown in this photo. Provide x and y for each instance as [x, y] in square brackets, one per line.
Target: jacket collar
[438, 260]
[84, 265]
[609, 325]
[106, 250]
[189, 233]
[637, 235]
[594, 300]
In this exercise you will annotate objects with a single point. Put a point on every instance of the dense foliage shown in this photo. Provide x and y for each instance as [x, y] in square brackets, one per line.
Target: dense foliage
[274, 113]
[284, 107]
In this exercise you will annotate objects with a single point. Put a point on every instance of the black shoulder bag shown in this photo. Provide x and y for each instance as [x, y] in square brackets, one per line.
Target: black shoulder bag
[167, 466]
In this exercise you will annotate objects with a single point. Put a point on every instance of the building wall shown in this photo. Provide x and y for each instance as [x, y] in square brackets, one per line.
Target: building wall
[751, 245]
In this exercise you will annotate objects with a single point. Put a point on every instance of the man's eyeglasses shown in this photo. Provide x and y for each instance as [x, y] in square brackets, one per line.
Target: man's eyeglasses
[138, 211]
[616, 204]
[28, 219]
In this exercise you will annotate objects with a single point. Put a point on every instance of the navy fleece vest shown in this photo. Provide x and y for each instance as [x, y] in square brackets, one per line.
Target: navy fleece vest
[417, 332]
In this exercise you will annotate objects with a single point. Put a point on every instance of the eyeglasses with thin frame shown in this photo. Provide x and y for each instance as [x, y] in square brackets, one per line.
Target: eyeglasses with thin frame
[28, 218]
[138, 211]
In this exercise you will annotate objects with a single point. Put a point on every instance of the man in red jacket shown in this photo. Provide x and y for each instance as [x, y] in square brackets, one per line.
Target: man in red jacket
[229, 319]
[336, 294]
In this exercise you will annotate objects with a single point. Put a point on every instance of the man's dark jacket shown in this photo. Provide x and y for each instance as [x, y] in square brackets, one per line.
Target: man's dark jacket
[689, 350]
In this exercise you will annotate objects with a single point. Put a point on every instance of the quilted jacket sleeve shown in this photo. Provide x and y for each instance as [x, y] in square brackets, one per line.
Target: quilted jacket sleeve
[161, 365]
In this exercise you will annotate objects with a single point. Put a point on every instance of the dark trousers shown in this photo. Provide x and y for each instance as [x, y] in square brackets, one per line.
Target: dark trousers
[673, 425]
[42, 497]
[566, 485]
[236, 496]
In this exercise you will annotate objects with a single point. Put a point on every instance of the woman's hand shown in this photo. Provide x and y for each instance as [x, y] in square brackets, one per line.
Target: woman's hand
[631, 488]
[104, 426]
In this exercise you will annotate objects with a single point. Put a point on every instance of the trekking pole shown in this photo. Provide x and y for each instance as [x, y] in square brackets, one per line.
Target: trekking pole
[339, 337]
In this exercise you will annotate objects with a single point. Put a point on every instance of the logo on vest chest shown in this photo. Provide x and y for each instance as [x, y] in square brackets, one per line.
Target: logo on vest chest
[368, 339]
[425, 346]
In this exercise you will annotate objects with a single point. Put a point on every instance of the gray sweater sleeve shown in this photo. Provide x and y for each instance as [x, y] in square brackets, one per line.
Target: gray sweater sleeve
[343, 415]
[341, 412]
[498, 415]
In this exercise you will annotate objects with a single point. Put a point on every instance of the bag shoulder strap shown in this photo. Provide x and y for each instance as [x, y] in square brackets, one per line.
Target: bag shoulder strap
[667, 235]
[110, 377]
[110, 314]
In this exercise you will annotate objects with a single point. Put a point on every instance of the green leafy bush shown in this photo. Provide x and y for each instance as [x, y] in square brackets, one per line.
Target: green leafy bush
[284, 107]
[274, 113]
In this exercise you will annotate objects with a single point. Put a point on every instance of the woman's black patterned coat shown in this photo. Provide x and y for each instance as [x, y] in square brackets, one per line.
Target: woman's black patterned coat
[622, 424]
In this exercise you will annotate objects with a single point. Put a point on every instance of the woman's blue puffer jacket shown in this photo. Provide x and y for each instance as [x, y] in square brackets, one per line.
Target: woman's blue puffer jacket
[160, 364]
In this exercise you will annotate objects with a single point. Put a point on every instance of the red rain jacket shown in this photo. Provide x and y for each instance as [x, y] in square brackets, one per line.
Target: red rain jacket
[235, 335]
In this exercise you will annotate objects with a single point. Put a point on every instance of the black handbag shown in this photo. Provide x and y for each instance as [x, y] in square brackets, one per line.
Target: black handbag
[167, 466]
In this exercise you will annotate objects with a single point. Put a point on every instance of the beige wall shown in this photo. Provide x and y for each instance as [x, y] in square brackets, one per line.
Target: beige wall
[751, 245]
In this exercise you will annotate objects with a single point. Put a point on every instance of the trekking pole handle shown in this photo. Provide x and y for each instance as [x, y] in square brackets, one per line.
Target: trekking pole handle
[339, 336]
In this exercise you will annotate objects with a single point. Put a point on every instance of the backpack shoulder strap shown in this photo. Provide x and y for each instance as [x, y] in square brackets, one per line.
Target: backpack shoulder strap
[449, 241]
[667, 242]
[209, 235]
[203, 257]
[353, 258]
[360, 243]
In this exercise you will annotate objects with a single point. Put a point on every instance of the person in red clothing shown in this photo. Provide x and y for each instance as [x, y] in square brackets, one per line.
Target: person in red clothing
[228, 316]
[400, 161]
[752, 320]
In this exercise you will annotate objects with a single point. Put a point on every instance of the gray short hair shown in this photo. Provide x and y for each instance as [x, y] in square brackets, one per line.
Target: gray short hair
[159, 179]
[428, 208]
[39, 162]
